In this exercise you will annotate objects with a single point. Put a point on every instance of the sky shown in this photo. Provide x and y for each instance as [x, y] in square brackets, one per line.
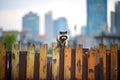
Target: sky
[12, 11]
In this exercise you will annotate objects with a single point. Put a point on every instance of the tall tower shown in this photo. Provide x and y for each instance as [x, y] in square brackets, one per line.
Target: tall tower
[49, 25]
[30, 22]
[113, 25]
[96, 16]
[117, 16]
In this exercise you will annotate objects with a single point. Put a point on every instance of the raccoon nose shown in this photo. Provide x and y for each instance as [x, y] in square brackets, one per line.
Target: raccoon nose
[63, 37]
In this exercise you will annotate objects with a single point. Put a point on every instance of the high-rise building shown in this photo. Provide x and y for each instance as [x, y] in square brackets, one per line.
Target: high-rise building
[60, 24]
[49, 25]
[31, 23]
[96, 16]
[113, 26]
[117, 16]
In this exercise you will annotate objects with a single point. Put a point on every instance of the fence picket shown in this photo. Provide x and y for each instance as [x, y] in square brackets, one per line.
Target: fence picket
[55, 62]
[43, 62]
[2, 60]
[15, 61]
[114, 62]
[78, 63]
[91, 65]
[102, 55]
[67, 63]
[30, 62]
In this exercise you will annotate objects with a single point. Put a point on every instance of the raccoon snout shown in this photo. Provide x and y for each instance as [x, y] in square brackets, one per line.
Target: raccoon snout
[63, 37]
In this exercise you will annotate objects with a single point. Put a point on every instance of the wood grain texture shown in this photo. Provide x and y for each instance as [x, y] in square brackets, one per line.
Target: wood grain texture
[78, 63]
[114, 62]
[30, 62]
[2, 60]
[15, 61]
[55, 61]
[91, 65]
[67, 63]
[102, 55]
[43, 62]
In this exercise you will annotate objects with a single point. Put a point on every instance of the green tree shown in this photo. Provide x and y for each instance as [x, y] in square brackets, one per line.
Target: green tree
[9, 39]
[50, 51]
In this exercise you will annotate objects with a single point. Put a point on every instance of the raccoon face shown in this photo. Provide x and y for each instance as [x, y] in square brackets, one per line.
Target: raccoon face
[62, 39]
[63, 36]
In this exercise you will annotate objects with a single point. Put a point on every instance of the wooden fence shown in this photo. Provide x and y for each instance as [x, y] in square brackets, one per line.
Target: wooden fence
[66, 64]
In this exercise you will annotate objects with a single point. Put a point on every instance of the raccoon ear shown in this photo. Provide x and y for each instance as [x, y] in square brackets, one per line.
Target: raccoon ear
[65, 32]
[60, 32]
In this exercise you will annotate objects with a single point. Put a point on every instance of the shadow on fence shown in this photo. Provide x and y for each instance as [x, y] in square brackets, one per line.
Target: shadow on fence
[66, 64]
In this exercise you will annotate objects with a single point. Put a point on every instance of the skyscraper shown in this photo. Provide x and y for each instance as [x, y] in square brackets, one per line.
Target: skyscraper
[96, 16]
[113, 26]
[117, 16]
[30, 22]
[49, 25]
[60, 24]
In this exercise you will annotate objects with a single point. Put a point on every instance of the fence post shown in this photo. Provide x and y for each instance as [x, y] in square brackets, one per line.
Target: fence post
[67, 63]
[91, 65]
[15, 61]
[43, 62]
[30, 62]
[2, 60]
[102, 55]
[114, 62]
[55, 61]
[78, 63]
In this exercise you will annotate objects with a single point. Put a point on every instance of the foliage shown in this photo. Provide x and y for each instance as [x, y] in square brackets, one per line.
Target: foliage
[37, 50]
[9, 39]
[50, 51]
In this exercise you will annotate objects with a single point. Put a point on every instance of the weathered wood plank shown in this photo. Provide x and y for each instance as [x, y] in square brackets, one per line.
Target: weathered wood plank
[114, 62]
[15, 61]
[91, 65]
[67, 63]
[78, 64]
[55, 61]
[30, 62]
[43, 62]
[102, 55]
[2, 60]
[97, 66]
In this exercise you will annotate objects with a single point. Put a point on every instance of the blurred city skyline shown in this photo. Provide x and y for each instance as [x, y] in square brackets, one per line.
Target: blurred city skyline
[11, 12]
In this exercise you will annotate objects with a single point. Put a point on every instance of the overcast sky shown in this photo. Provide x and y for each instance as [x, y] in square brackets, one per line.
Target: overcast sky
[12, 11]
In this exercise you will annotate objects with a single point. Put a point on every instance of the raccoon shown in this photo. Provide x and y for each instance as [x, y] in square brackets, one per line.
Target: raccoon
[62, 39]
